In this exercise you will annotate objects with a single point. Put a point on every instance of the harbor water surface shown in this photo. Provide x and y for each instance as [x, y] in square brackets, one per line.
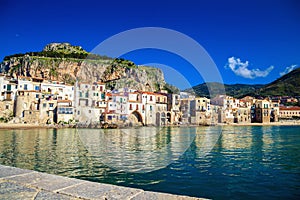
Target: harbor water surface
[236, 162]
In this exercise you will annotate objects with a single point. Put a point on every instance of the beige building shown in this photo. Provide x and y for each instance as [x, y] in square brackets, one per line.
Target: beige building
[289, 112]
[200, 111]
[242, 115]
[65, 111]
[262, 111]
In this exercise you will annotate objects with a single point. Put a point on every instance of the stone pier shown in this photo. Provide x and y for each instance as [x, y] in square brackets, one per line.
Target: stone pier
[25, 184]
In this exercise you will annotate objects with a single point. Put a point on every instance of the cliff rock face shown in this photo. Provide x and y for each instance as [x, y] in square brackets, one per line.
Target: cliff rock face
[116, 73]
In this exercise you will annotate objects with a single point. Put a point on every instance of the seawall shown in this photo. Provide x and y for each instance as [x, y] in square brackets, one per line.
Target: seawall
[18, 183]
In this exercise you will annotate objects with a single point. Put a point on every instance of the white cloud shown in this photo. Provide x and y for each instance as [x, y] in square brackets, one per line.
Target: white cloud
[288, 70]
[241, 69]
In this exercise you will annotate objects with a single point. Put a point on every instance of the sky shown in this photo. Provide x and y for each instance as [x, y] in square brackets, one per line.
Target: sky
[251, 42]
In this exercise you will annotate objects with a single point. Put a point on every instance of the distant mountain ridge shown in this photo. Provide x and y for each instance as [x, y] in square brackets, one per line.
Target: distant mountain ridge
[287, 85]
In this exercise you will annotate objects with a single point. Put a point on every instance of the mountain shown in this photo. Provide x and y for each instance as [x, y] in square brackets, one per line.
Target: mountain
[67, 63]
[287, 85]
[235, 90]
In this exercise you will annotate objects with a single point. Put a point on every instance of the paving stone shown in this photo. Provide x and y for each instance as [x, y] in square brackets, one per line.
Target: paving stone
[45, 181]
[6, 171]
[121, 193]
[87, 190]
[52, 196]
[97, 190]
[160, 196]
[25, 184]
[16, 191]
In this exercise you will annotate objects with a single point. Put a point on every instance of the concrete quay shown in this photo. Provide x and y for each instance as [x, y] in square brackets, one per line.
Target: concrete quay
[25, 184]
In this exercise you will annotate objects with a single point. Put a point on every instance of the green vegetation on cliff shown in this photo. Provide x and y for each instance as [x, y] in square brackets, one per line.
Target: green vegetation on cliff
[66, 63]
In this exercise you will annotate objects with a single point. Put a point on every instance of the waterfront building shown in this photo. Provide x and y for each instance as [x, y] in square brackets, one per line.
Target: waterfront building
[173, 106]
[274, 110]
[35, 100]
[65, 111]
[25, 83]
[289, 112]
[28, 106]
[262, 110]
[228, 106]
[87, 109]
[135, 107]
[185, 110]
[242, 115]
[8, 90]
[58, 90]
[163, 117]
[200, 111]
[149, 107]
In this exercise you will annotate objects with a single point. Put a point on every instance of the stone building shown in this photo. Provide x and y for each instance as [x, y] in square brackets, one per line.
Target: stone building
[289, 112]
[262, 111]
[86, 102]
[173, 106]
[200, 111]
[8, 90]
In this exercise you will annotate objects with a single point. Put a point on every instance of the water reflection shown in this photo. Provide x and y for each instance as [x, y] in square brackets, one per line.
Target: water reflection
[245, 163]
[137, 150]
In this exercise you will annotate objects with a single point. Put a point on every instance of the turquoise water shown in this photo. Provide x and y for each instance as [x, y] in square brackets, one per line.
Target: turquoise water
[242, 163]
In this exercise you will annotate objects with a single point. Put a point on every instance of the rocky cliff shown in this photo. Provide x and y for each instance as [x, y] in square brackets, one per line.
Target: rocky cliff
[67, 63]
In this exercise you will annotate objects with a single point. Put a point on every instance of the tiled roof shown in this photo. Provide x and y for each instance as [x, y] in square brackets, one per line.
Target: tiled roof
[289, 108]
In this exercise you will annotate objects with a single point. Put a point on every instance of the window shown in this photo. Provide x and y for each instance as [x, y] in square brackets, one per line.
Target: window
[44, 105]
[4, 86]
[137, 106]
[51, 105]
[6, 107]
[151, 98]
[78, 112]
[101, 88]
[143, 107]
[36, 87]
[8, 87]
[86, 94]
[130, 107]
[151, 108]
[80, 94]
[25, 87]
[37, 96]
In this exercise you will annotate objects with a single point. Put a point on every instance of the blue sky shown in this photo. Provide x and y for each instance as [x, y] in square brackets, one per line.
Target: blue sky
[250, 41]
